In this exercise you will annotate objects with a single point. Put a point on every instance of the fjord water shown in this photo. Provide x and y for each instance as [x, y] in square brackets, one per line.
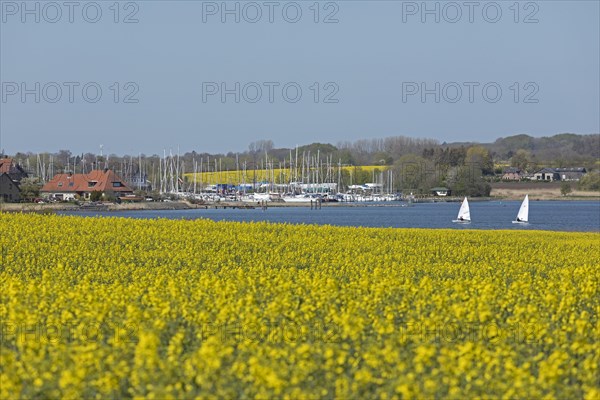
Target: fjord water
[544, 215]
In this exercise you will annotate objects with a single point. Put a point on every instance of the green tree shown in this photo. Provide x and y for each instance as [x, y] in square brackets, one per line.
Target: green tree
[590, 181]
[480, 157]
[30, 188]
[360, 176]
[346, 157]
[521, 159]
[565, 188]
[95, 195]
[415, 173]
[468, 181]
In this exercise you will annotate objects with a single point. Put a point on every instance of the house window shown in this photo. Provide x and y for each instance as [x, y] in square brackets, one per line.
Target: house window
[71, 184]
[59, 184]
[117, 184]
[92, 183]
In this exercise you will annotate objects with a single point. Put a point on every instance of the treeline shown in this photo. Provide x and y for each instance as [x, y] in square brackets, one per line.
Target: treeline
[382, 152]
[466, 171]
[416, 164]
[563, 150]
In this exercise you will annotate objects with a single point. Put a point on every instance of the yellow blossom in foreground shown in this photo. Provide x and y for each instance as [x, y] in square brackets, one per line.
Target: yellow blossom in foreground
[113, 307]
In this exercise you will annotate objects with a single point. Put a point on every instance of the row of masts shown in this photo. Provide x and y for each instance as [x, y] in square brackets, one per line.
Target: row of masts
[297, 173]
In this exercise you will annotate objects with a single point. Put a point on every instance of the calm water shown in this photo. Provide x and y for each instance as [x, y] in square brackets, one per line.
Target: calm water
[544, 215]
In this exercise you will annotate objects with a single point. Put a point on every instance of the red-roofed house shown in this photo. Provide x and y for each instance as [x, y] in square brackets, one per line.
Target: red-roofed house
[67, 186]
[10, 167]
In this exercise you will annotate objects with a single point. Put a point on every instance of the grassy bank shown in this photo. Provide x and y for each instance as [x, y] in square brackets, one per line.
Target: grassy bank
[539, 191]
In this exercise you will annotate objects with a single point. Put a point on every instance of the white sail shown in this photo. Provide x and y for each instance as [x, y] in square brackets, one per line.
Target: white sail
[463, 214]
[523, 215]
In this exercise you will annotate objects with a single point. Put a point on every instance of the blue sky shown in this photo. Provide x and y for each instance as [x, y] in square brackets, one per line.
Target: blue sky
[364, 68]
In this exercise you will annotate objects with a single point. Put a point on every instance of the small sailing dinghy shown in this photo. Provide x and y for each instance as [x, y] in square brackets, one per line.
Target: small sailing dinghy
[523, 215]
[464, 215]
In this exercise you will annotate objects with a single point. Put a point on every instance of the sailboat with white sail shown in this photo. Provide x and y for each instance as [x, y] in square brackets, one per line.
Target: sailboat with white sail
[523, 215]
[464, 214]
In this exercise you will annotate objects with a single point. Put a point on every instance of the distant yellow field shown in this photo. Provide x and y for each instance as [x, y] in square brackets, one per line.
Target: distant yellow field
[281, 175]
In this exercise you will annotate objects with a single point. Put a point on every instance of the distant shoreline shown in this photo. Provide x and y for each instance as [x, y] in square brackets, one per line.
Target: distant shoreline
[538, 191]
[507, 195]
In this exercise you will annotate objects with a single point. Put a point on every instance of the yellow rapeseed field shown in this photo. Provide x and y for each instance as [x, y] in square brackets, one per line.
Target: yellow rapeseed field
[114, 307]
[280, 175]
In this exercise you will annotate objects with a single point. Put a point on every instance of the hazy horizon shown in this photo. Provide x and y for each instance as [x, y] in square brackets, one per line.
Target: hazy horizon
[173, 149]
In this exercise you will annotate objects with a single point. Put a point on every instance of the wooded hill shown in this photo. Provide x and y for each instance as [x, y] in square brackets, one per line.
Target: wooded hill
[561, 150]
[417, 164]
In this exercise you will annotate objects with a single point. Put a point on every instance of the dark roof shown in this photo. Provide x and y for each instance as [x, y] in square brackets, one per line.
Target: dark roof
[572, 169]
[6, 177]
[558, 170]
[11, 167]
